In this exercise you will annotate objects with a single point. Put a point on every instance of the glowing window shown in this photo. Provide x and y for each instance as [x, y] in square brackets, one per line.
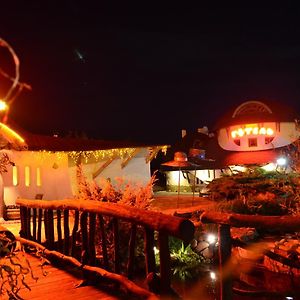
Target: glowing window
[237, 142]
[268, 139]
[38, 176]
[27, 176]
[15, 175]
[252, 142]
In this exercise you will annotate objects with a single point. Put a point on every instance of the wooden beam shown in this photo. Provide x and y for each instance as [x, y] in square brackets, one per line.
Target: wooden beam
[102, 167]
[128, 159]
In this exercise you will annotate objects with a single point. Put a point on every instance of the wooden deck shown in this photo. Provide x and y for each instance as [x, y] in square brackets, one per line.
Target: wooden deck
[54, 283]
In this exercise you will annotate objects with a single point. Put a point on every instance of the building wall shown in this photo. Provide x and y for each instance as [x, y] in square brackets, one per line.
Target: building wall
[137, 170]
[54, 177]
[58, 174]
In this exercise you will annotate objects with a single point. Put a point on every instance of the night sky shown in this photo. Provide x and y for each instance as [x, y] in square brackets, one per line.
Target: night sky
[144, 73]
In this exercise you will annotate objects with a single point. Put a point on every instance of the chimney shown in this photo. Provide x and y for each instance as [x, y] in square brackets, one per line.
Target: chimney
[183, 133]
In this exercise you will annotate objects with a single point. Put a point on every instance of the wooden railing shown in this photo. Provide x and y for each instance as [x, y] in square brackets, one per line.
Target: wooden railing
[73, 230]
[225, 221]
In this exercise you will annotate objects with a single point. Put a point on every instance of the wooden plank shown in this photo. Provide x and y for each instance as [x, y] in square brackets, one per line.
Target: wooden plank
[59, 284]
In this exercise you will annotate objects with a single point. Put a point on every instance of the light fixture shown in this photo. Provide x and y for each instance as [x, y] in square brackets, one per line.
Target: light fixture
[281, 161]
[3, 105]
[213, 275]
[211, 238]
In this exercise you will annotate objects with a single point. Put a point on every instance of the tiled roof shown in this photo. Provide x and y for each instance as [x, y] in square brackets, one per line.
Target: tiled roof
[51, 143]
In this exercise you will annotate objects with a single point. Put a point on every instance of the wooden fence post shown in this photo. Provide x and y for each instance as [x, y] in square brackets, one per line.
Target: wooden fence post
[224, 262]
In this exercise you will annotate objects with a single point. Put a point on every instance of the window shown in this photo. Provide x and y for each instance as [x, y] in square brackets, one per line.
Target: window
[27, 176]
[15, 175]
[268, 139]
[237, 142]
[38, 176]
[252, 142]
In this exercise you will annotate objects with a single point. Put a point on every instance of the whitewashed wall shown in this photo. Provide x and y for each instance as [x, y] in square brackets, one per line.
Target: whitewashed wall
[55, 182]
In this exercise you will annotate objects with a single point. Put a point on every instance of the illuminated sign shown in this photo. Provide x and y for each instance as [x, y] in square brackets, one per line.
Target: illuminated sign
[249, 130]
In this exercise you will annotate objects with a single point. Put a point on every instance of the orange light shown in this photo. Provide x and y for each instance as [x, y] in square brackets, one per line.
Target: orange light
[248, 130]
[3, 105]
[241, 132]
[255, 130]
[263, 130]
[270, 131]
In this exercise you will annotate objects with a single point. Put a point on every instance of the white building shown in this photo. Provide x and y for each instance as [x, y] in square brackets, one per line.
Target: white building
[45, 166]
[254, 133]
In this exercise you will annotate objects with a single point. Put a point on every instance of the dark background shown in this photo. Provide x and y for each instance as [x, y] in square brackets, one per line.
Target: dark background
[145, 72]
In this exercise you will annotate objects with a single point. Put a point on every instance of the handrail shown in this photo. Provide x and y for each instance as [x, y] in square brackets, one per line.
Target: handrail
[281, 223]
[176, 226]
[107, 217]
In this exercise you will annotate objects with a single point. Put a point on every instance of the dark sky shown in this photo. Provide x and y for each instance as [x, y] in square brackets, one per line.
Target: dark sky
[145, 72]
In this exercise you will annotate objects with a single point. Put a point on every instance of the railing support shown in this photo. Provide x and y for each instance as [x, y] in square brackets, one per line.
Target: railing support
[224, 261]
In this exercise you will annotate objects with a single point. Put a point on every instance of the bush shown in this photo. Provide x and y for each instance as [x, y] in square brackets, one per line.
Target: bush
[257, 192]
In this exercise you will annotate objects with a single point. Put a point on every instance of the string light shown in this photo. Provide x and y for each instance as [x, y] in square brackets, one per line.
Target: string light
[86, 156]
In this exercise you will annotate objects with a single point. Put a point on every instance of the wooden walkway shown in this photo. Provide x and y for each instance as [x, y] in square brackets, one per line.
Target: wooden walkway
[54, 283]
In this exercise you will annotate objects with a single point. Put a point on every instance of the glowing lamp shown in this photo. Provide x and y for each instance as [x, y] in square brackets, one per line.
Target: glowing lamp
[3, 105]
[270, 131]
[281, 161]
[240, 132]
[213, 275]
[255, 130]
[263, 130]
[211, 238]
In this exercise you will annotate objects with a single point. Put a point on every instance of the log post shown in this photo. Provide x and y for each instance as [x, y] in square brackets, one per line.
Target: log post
[85, 239]
[66, 232]
[131, 250]
[224, 262]
[104, 243]
[149, 250]
[46, 227]
[34, 216]
[91, 251]
[23, 221]
[165, 263]
[117, 268]
[74, 233]
[39, 232]
[28, 223]
[59, 233]
[50, 229]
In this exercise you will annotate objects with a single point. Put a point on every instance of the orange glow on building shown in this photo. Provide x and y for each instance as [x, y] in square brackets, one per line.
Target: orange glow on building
[11, 133]
[248, 130]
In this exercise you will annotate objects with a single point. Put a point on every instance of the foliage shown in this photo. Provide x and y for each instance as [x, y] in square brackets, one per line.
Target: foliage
[257, 192]
[122, 192]
[185, 262]
[14, 269]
